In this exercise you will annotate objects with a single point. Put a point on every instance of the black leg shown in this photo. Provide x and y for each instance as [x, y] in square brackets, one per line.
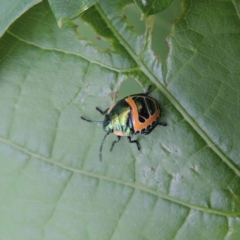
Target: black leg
[113, 143]
[101, 111]
[134, 141]
[149, 90]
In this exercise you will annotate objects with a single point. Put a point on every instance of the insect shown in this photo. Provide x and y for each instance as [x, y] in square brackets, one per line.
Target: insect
[135, 114]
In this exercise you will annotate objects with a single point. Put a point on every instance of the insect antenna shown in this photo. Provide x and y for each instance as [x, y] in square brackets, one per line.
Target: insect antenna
[100, 150]
[91, 121]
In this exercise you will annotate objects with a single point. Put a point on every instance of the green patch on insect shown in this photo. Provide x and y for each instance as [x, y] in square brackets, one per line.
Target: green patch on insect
[134, 114]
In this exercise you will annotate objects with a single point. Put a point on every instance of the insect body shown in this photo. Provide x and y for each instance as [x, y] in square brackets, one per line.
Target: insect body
[135, 114]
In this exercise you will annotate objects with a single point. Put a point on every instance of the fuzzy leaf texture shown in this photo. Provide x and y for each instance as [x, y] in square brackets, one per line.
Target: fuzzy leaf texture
[185, 181]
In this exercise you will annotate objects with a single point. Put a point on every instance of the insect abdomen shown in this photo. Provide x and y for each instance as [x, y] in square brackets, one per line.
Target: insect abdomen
[145, 113]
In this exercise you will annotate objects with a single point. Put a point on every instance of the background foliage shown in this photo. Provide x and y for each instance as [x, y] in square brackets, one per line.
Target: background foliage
[183, 184]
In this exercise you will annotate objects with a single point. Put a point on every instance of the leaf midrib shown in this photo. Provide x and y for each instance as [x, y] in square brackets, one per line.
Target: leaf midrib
[117, 181]
[209, 142]
[170, 97]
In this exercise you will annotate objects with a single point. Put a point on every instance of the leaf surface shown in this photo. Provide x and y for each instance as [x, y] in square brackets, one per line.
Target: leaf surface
[183, 184]
[149, 7]
[63, 10]
[10, 10]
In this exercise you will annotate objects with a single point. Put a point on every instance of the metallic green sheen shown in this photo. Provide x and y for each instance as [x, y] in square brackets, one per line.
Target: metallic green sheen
[119, 119]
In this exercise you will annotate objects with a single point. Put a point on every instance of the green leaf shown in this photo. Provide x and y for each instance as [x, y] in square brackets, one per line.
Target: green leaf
[10, 10]
[183, 184]
[150, 7]
[63, 10]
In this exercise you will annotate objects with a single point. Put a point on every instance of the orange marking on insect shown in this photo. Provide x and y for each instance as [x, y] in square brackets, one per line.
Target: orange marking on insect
[138, 126]
[120, 133]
